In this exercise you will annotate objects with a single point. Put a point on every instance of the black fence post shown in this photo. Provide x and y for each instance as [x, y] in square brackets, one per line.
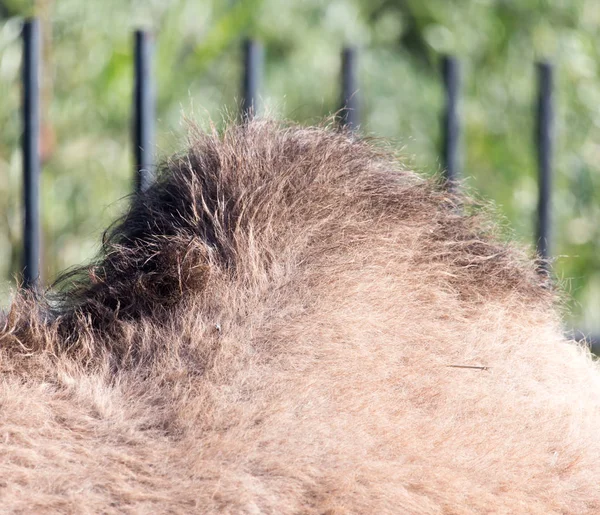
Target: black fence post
[31, 152]
[143, 110]
[349, 115]
[451, 122]
[592, 341]
[544, 141]
[253, 57]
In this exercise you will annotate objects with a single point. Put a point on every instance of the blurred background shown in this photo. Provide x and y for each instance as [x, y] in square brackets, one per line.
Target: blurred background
[87, 96]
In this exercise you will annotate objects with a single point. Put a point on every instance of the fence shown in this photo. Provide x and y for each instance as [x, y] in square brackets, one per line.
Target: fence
[144, 116]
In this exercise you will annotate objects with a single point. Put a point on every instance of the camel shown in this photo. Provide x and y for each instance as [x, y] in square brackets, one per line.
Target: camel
[291, 321]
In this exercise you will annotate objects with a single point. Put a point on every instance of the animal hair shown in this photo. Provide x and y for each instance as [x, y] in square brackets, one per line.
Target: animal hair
[290, 321]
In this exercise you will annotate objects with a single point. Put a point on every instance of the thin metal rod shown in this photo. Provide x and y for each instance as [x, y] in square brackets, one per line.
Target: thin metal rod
[544, 141]
[592, 341]
[451, 121]
[253, 62]
[349, 115]
[31, 152]
[144, 110]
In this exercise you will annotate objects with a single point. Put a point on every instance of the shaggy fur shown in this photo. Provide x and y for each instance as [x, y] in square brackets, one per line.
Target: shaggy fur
[290, 322]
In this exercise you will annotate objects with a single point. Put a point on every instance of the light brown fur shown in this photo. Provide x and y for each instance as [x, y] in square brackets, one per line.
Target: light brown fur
[278, 326]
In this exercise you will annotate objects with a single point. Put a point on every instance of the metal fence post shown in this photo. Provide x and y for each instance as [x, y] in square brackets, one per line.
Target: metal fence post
[253, 61]
[544, 141]
[451, 122]
[31, 151]
[143, 110]
[349, 115]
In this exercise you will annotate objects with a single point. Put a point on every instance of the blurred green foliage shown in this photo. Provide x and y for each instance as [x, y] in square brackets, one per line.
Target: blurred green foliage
[88, 90]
